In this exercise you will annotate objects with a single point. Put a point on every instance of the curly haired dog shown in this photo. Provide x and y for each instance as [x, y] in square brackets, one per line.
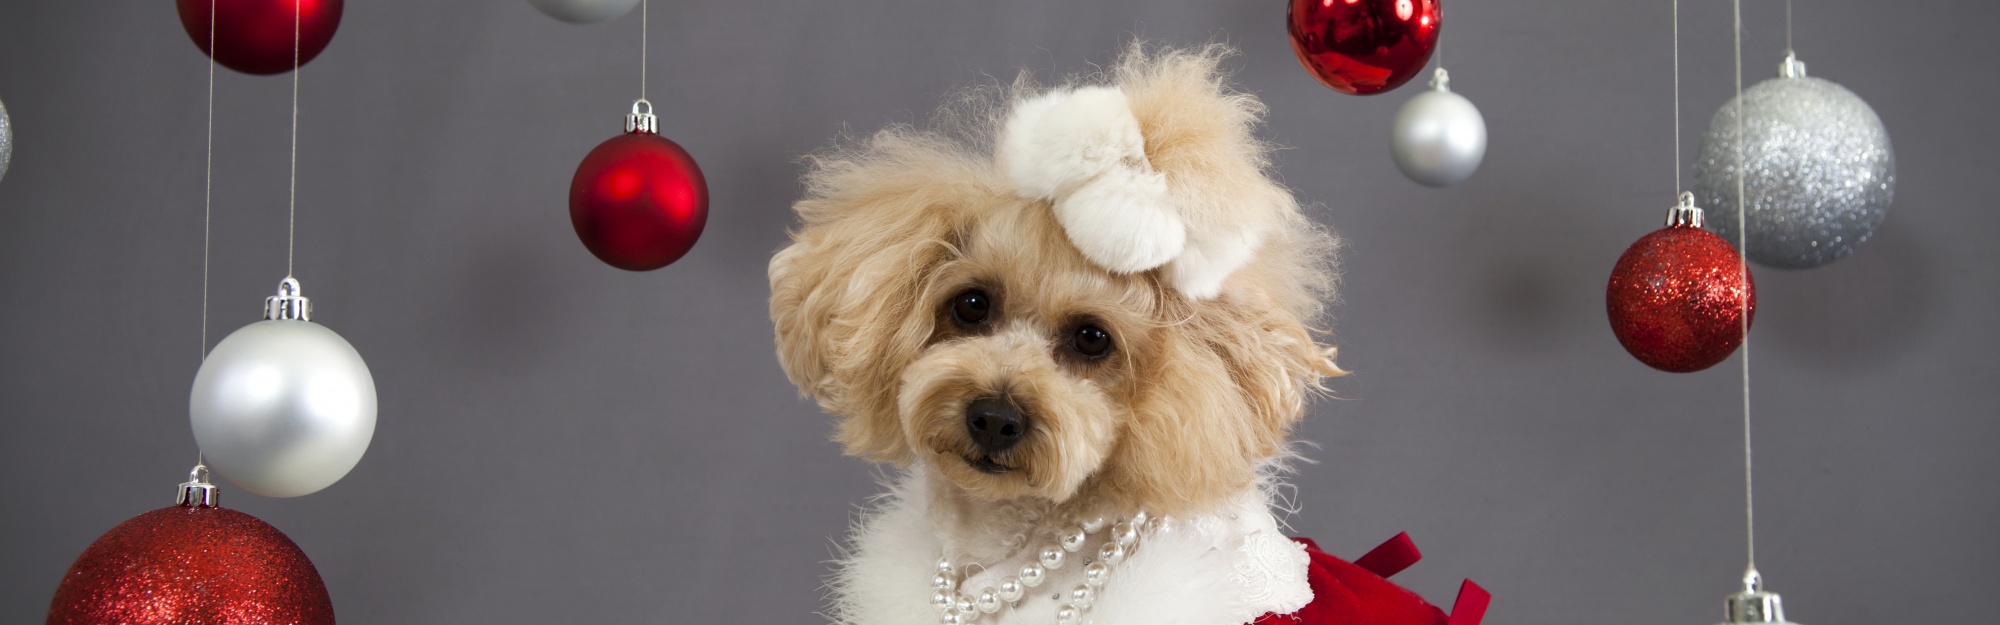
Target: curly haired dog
[1081, 317]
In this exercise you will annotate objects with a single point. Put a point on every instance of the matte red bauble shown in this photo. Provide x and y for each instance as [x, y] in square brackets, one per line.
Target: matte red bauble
[192, 563]
[1363, 47]
[1678, 296]
[638, 201]
[256, 36]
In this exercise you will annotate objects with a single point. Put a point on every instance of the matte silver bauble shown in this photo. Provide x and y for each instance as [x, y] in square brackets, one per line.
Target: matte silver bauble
[6, 140]
[283, 407]
[1819, 172]
[1439, 137]
[584, 11]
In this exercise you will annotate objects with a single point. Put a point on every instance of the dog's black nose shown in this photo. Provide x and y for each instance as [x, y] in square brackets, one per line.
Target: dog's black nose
[995, 424]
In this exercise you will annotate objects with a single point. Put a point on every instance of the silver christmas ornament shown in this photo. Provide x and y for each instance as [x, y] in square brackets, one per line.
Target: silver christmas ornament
[1819, 170]
[1438, 137]
[584, 11]
[1753, 606]
[283, 407]
[6, 140]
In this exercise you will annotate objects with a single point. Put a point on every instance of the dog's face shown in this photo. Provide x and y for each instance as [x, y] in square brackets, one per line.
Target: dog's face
[949, 322]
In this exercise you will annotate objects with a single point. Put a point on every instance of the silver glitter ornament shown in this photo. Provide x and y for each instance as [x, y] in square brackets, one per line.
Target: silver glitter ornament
[584, 11]
[283, 407]
[1438, 137]
[1820, 172]
[6, 140]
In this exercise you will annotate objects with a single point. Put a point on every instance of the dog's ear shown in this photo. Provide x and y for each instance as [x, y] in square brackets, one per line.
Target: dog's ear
[877, 219]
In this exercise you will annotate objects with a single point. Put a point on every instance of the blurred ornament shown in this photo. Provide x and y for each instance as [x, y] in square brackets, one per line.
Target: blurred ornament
[1363, 47]
[584, 11]
[638, 201]
[1677, 296]
[6, 140]
[192, 563]
[1819, 172]
[1753, 606]
[260, 36]
[1439, 137]
[283, 407]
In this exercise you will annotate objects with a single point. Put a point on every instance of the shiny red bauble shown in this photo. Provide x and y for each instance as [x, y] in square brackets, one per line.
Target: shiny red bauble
[638, 201]
[1677, 299]
[1363, 47]
[256, 36]
[192, 564]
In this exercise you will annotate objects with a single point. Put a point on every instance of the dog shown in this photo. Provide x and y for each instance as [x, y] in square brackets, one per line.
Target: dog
[1081, 318]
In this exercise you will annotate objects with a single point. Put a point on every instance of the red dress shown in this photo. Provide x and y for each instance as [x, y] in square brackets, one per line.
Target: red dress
[1360, 593]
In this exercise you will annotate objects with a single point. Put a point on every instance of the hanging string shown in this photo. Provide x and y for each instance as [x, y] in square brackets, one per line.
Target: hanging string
[644, 22]
[1788, 27]
[292, 228]
[208, 181]
[1677, 96]
[1749, 493]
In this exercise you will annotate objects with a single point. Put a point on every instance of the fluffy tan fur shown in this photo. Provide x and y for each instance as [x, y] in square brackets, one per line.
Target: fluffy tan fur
[1196, 392]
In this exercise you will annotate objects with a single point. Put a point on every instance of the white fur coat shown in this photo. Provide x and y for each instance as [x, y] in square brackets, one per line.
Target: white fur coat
[1223, 569]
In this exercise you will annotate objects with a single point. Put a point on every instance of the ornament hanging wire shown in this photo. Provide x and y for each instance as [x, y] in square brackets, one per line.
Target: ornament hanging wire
[1749, 492]
[292, 226]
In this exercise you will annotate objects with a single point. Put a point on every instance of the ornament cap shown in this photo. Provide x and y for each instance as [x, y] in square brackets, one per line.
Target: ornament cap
[1753, 605]
[1792, 67]
[1684, 214]
[288, 304]
[198, 492]
[1440, 80]
[642, 119]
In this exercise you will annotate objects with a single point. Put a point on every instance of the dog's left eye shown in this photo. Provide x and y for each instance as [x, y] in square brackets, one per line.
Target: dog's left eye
[1091, 341]
[971, 308]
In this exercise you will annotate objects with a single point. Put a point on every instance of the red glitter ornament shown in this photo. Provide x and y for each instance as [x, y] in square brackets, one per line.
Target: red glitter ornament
[1364, 47]
[638, 200]
[1677, 296]
[192, 563]
[257, 36]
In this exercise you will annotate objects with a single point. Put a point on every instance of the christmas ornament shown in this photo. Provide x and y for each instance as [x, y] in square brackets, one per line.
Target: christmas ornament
[1818, 170]
[1677, 296]
[261, 36]
[1363, 47]
[638, 201]
[283, 407]
[1438, 137]
[6, 140]
[193, 562]
[584, 11]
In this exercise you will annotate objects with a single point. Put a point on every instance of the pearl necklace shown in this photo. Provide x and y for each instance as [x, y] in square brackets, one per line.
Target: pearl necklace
[957, 608]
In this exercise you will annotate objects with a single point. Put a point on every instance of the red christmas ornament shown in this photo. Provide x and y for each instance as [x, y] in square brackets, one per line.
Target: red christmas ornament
[256, 36]
[192, 563]
[1677, 296]
[638, 201]
[1363, 47]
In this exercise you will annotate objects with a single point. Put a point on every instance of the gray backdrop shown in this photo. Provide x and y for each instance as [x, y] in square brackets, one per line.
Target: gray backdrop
[560, 441]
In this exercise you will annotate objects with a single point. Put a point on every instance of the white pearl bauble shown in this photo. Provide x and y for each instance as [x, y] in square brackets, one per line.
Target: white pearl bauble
[944, 582]
[1068, 615]
[963, 604]
[1124, 534]
[1096, 573]
[950, 618]
[1092, 524]
[584, 11]
[940, 600]
[1082, 596]
[1011, 590]
[283, 408]
[1033, 574]
[1075, 540]
[1111, 553]
[1051, 558]
[988, 601]
[945, 567]
[1439, 137]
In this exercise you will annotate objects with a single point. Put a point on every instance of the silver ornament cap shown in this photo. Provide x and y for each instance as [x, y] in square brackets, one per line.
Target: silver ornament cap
[197, 492]
[283, 407]
[1754, 606]
[642, 119]
[1438, 138]
[1684, 214]
[1819, 172]
[584, 11]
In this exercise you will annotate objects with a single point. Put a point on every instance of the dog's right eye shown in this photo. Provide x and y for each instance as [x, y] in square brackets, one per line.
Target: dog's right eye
[971, 308]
